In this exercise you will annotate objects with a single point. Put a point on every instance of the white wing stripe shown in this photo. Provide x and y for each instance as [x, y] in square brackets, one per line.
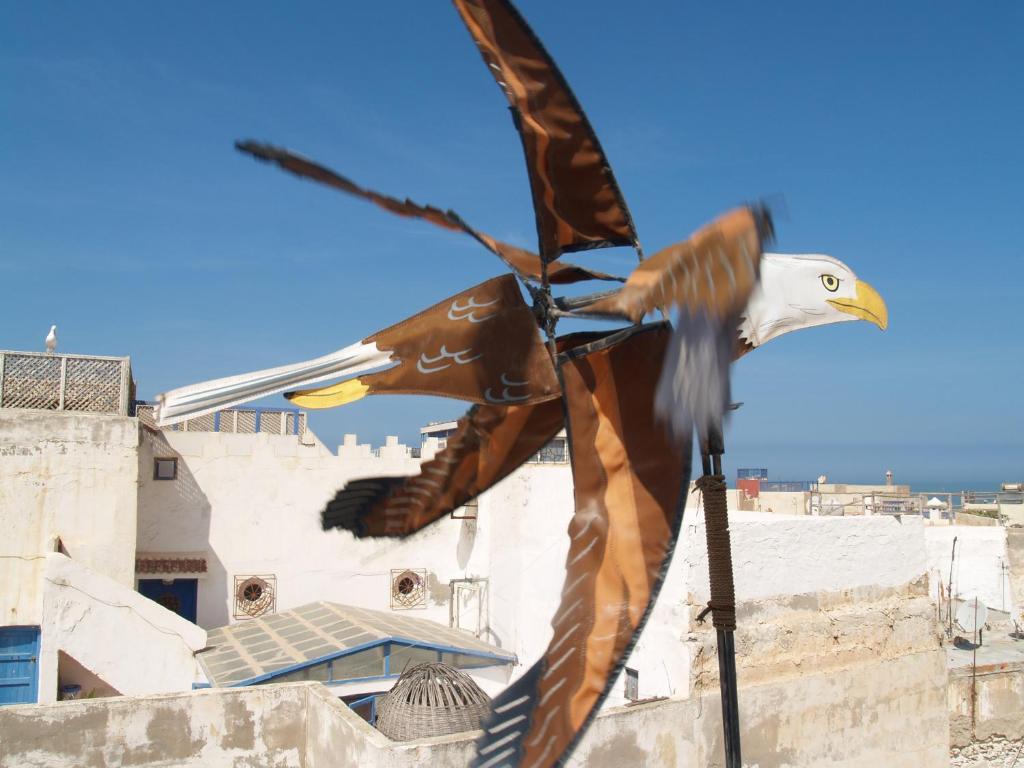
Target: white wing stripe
[506, 724]
[512, 704]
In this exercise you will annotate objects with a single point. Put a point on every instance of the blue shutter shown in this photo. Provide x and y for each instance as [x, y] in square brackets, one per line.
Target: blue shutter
[19, 665]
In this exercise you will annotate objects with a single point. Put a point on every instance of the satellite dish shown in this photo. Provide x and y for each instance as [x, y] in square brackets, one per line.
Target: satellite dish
[965, 615]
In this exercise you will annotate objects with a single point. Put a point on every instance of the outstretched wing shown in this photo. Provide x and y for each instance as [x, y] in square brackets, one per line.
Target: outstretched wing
[481, 345]
[524, 263]
[710, 278]
[630, 486]
[713, 272]
[490, 442]
[576, 198]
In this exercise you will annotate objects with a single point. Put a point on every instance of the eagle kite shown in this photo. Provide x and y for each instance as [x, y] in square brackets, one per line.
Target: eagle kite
[606, 388]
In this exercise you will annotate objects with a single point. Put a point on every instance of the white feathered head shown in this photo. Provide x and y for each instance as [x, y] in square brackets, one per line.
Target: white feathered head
[795, 292]
[802, 291]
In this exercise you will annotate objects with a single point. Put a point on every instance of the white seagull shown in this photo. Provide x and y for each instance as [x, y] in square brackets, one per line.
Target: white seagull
[51, 340]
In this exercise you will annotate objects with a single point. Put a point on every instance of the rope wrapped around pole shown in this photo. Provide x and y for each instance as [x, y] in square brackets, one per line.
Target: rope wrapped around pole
[716, 522]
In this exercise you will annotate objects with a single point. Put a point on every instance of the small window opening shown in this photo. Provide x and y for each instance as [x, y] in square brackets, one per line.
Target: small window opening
[632, 684]
[165, 469]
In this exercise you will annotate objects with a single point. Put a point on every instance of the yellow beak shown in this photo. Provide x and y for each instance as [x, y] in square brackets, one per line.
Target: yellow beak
[867, 305]
[329, 397]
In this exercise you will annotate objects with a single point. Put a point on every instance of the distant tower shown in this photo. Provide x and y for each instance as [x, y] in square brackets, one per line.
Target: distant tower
[51, 340]
[888, 477]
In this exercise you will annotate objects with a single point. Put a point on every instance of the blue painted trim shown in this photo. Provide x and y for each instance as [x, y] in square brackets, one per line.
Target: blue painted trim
[404, 641]
[259, 413]
[372, 679]
[310, 663]
[389, 642]
[216, 421]
[200, 686]
[372, 700]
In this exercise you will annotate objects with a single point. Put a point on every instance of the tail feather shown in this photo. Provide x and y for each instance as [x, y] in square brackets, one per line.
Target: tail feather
[209, 396]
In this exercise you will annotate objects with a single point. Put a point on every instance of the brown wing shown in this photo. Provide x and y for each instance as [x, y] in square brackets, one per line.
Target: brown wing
[714, 271]
[521, 261]
[490, 442]
[575, 196]
[630, 486]
[480, 345]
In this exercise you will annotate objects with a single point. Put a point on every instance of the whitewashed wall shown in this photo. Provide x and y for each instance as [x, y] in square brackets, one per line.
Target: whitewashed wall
[128, 641]
[252, 502]
[773, 556]
[978, 570]
[69, 475]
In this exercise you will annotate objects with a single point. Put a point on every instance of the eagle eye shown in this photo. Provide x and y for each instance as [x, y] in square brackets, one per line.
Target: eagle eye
[831, 283]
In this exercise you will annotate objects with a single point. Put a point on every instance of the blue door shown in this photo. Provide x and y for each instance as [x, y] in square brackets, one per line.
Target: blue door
[178, 596]
[19, 665]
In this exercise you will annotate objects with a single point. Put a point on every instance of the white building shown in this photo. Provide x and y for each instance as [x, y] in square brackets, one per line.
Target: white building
[219, 521]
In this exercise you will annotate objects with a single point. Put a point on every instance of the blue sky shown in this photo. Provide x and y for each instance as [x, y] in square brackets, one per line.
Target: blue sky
[887, 134]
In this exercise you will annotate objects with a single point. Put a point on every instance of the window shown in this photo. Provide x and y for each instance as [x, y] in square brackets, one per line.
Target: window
[553, 453]
[404, 656]
[165, 469]
[632, 684]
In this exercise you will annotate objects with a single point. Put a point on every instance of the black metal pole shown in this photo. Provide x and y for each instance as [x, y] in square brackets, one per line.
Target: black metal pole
[711, 457]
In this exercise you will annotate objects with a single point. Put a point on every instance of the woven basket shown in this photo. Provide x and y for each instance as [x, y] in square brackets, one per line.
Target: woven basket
[431, 699]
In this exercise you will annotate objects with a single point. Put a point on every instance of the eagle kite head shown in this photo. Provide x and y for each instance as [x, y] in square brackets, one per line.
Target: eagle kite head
[804, 291]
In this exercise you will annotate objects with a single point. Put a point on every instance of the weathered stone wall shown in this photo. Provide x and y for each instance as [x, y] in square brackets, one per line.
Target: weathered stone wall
[892, 715]
[986, 715]
[998, 703]
[851, 677]
[849, 717]
[72, 475]
[996, 752]
[294, 725]
[261, 726]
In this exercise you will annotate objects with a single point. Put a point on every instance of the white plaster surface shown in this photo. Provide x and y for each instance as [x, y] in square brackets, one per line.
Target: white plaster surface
[847, 594]
[129, 641]
[776, 554]
[773, 555]
[69, 475]
[978, 570]
[252, 503]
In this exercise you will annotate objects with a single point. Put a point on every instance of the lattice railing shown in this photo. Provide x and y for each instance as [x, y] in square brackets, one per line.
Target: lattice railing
[271, 421]
[52, 382]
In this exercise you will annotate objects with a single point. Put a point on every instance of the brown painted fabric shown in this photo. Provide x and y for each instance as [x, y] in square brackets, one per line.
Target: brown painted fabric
[490, 442]
[576, 198]
[630, 484]
[523, 262]
[480, 345]
[714, 271]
